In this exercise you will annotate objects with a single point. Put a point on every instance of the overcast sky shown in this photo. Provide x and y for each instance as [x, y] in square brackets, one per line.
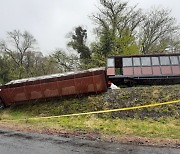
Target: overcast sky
[49, 21]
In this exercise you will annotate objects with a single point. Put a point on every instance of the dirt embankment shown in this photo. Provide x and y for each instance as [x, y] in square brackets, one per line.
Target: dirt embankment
[137, 96]
[112, 99]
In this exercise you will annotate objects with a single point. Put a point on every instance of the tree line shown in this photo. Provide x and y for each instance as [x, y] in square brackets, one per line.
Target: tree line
[121, 29]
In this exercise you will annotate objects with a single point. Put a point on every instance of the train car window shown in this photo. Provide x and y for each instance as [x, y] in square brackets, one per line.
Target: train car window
[145, 61]
[127, 62]
[155, 61]
[110, 62]
[164, 60]
[136, 61]
[174, 60]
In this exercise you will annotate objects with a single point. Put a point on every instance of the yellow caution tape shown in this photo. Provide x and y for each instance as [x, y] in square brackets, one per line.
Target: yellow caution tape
[104, 111]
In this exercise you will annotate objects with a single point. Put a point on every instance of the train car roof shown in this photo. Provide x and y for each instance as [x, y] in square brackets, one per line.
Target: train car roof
[146, 55]
[53, 76]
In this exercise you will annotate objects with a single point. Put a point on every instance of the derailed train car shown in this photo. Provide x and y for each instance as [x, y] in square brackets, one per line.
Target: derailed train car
[52, 86]
[144, 69]
[129, 70]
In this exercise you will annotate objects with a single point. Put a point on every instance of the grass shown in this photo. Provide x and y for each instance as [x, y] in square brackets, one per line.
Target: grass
[161, 128]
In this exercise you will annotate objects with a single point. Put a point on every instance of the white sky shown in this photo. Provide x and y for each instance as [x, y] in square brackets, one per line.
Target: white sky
[49, 21]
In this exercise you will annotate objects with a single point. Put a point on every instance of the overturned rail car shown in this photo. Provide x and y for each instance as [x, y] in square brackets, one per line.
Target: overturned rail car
[144, 69]
[51, 86]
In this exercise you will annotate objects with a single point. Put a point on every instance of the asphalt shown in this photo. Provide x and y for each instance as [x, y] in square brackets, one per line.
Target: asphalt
[13, 142]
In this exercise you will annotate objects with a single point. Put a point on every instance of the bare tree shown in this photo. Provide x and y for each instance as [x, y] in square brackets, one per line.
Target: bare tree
[17, 45]
[66, 62]
[156, 30]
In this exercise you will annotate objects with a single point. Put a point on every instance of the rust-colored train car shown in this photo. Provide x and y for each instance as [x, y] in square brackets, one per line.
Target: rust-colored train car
[144, 69]
[51, 86]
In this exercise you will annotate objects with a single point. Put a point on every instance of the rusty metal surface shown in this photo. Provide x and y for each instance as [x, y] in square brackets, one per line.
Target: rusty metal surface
[57, 85]
[53, 76]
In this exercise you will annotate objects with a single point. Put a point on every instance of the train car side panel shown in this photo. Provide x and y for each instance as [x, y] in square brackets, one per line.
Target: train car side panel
[53, 86]
[161, 68]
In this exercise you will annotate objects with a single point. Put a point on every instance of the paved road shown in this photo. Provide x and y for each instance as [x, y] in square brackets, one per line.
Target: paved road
[12, 142]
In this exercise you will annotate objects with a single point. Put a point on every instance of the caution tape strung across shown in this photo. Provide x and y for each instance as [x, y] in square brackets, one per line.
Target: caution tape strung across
[103, 111]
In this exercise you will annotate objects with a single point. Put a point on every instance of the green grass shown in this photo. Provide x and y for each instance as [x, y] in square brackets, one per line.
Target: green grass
[161, 128]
